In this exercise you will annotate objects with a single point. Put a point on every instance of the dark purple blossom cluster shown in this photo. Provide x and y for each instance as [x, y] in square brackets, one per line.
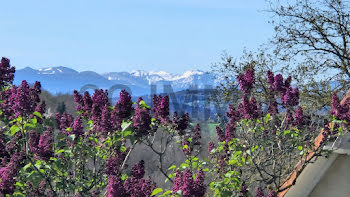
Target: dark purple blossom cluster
[181, 123]
[68, 125]
[114, 163]
[190, 188]
[134, 186]
[9, 171]
[248, 109]
[247, 80]
[221, 134]
[299, 117]
[98, 109]
[122, 109]
[161, 108]
[41, 145]
[138, 170]
[260, 192]
[64, 121]
[196, 135]
[7, 72]
[141, 121]
[289, 96]
[340, 110]
[21, 101]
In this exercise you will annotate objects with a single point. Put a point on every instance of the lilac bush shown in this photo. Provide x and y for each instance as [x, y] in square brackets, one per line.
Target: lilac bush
[88, 153]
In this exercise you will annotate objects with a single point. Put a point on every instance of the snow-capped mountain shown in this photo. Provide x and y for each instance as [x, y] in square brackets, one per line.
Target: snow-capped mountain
[65, 80]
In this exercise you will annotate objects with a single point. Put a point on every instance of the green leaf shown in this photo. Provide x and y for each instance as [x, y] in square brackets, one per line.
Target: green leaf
[14, 129]
[37, 114]
[29, 125]
[167, 192]
[123, 148]
[127, 133]
[156, 191]
[184, 165]
[126, 125]
[267, 118]
[286, 132]
[300, 148]
[59, 151]
[172, 167]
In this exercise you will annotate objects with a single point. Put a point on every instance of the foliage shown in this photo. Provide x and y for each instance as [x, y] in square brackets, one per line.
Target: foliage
[88, 154]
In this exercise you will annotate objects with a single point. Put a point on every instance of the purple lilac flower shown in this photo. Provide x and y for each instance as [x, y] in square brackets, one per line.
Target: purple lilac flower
[45, 145]
[124, 105]
[155, 102]
[260, 192]
[290, 97]
[139, 187]
[220, 133]
[138, 171]
[122, 109]
[7, 72]
[22, 100]
[114, 162]
[188, 183]
[64, 121]
[196, 135]
[233, 114]
[287, 82]
[105, 124]
[163, 109]
[141, 121]
[78, 98]
[230, 129]
[189, 187]
[87, 102]
[78, 128]
[115, 187]
[339, 110]
[199, 186]
[249, 108]
[247, 80]
[299, 117]
[177, 181]
[180, 123]
[7, 175]
[278, 84]
[270, 79]
[9, 172]
[41, 109]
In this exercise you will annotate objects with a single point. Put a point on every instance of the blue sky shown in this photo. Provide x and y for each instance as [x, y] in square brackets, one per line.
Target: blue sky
[106, 36]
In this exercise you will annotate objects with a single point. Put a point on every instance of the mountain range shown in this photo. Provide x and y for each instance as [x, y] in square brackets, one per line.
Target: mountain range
[65, 80]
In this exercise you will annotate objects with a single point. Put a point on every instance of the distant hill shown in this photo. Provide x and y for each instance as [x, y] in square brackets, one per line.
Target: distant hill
[65, 80]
